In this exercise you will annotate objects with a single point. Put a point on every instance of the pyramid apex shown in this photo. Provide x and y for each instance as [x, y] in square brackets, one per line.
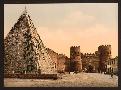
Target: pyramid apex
[25, 7]
[25, 10]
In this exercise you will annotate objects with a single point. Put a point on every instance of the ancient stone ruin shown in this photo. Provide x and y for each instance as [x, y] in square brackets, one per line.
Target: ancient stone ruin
[25, 54]
[75, 59]
[104, 56]
[61, 61]
[90, 62]
[25, 51]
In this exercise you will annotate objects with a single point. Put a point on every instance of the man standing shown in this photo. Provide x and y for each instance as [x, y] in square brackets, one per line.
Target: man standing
[112, 74]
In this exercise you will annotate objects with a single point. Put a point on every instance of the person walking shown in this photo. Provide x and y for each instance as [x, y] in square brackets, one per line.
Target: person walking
[112, 74]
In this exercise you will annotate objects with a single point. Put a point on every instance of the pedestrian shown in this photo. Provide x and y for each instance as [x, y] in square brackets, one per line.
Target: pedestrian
[112, 75]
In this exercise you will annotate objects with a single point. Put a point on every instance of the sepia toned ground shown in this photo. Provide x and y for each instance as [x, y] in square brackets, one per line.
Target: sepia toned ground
[68, 80]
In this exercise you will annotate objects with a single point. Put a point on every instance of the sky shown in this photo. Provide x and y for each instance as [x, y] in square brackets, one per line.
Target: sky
[61, 26]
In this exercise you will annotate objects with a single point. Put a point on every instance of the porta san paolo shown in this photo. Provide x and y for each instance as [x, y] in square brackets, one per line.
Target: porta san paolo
[98, 62]
[25, 54]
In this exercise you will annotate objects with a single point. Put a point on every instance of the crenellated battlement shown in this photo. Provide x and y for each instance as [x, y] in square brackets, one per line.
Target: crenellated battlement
[75, 47]
[88, 55]
[104, 47]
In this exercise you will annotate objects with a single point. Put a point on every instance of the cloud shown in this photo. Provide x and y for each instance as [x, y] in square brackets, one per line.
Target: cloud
[77, 19]
[61, 39]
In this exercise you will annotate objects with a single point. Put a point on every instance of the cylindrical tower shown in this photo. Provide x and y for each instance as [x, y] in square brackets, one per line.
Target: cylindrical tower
[75, 59]
[104, 56]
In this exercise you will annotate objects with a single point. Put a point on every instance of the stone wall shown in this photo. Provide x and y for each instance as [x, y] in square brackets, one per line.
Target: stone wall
[61, 61]
[75, 59]
[104, 56]
[32, 76]
[53, 55]
[89, 59]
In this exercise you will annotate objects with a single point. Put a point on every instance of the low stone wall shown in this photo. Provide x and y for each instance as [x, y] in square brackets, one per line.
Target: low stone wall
[32, 76]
